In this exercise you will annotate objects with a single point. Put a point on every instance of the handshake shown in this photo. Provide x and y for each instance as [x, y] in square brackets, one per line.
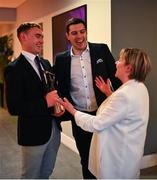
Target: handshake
[52, 101]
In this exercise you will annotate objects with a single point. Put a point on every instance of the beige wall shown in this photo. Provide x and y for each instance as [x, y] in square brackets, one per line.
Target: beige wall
[6, 28]
[98, 15]
[98, 23]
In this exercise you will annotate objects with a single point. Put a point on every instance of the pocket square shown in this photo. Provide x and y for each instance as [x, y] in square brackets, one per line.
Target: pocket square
[99, 61]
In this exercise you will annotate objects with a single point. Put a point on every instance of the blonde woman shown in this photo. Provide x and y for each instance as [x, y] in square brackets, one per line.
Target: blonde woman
[121, 121]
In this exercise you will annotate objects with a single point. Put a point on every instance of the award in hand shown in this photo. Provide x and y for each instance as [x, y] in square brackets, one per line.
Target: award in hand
[58, 108]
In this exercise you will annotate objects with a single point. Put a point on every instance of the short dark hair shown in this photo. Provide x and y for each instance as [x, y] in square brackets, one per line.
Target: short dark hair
[24, 27]
[74, 21]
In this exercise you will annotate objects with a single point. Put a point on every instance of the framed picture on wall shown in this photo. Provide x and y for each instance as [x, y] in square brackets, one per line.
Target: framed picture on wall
[60, 43]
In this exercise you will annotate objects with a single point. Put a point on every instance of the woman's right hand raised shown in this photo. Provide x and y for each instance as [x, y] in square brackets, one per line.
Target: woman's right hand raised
[104, 87]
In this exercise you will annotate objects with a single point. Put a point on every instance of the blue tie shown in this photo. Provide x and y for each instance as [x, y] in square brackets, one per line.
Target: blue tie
[41, 72]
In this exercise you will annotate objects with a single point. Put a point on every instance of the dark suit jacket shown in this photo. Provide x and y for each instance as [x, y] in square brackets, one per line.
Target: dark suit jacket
[25, 97]
[102, 63]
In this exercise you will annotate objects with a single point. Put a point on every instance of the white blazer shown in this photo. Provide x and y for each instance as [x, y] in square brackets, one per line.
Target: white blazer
[119, 132]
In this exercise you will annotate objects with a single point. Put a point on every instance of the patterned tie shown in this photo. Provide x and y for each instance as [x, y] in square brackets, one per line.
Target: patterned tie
[41, 72]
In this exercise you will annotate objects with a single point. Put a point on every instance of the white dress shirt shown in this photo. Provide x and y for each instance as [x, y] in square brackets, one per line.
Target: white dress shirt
[82, 91]
[30, 58]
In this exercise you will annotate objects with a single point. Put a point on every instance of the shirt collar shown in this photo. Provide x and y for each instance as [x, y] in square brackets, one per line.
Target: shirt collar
[72, 54]
[28, 55]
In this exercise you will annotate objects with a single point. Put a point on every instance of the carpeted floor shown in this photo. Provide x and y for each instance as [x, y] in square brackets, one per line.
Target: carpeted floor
[67, 164]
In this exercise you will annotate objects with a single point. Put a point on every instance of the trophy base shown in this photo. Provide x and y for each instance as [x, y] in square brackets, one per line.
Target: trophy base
[58, 110]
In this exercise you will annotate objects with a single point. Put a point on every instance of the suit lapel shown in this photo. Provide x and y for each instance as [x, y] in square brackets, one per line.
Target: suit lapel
[29, 69]
[93, 62]
[68, 67]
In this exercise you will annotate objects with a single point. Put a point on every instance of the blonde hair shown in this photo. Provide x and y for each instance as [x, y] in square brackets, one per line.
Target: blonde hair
[139, 61]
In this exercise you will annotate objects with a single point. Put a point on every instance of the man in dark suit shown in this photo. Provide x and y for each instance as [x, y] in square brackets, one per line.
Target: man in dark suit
[76, 70]
[28, 98]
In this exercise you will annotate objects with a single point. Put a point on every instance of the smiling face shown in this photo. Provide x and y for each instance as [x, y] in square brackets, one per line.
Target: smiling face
[123, 69]
[133, 63]
[77, 36]
[32, 40]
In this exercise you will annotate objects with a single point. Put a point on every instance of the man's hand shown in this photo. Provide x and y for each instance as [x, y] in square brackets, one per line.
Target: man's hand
[51, 98]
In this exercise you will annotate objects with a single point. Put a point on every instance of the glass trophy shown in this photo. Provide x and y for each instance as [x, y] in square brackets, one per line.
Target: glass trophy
[58, 109]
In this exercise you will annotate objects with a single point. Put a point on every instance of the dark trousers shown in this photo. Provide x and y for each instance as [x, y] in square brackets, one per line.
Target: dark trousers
[83, 140]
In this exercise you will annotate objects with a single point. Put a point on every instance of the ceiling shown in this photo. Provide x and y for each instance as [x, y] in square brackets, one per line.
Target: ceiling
[10, 3]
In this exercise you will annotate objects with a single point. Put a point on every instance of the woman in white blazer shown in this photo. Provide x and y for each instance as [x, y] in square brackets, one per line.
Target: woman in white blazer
[121, 121]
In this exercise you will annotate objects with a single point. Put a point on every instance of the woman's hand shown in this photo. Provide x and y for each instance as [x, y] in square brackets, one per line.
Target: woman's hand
[104, 87]
[67, 105]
